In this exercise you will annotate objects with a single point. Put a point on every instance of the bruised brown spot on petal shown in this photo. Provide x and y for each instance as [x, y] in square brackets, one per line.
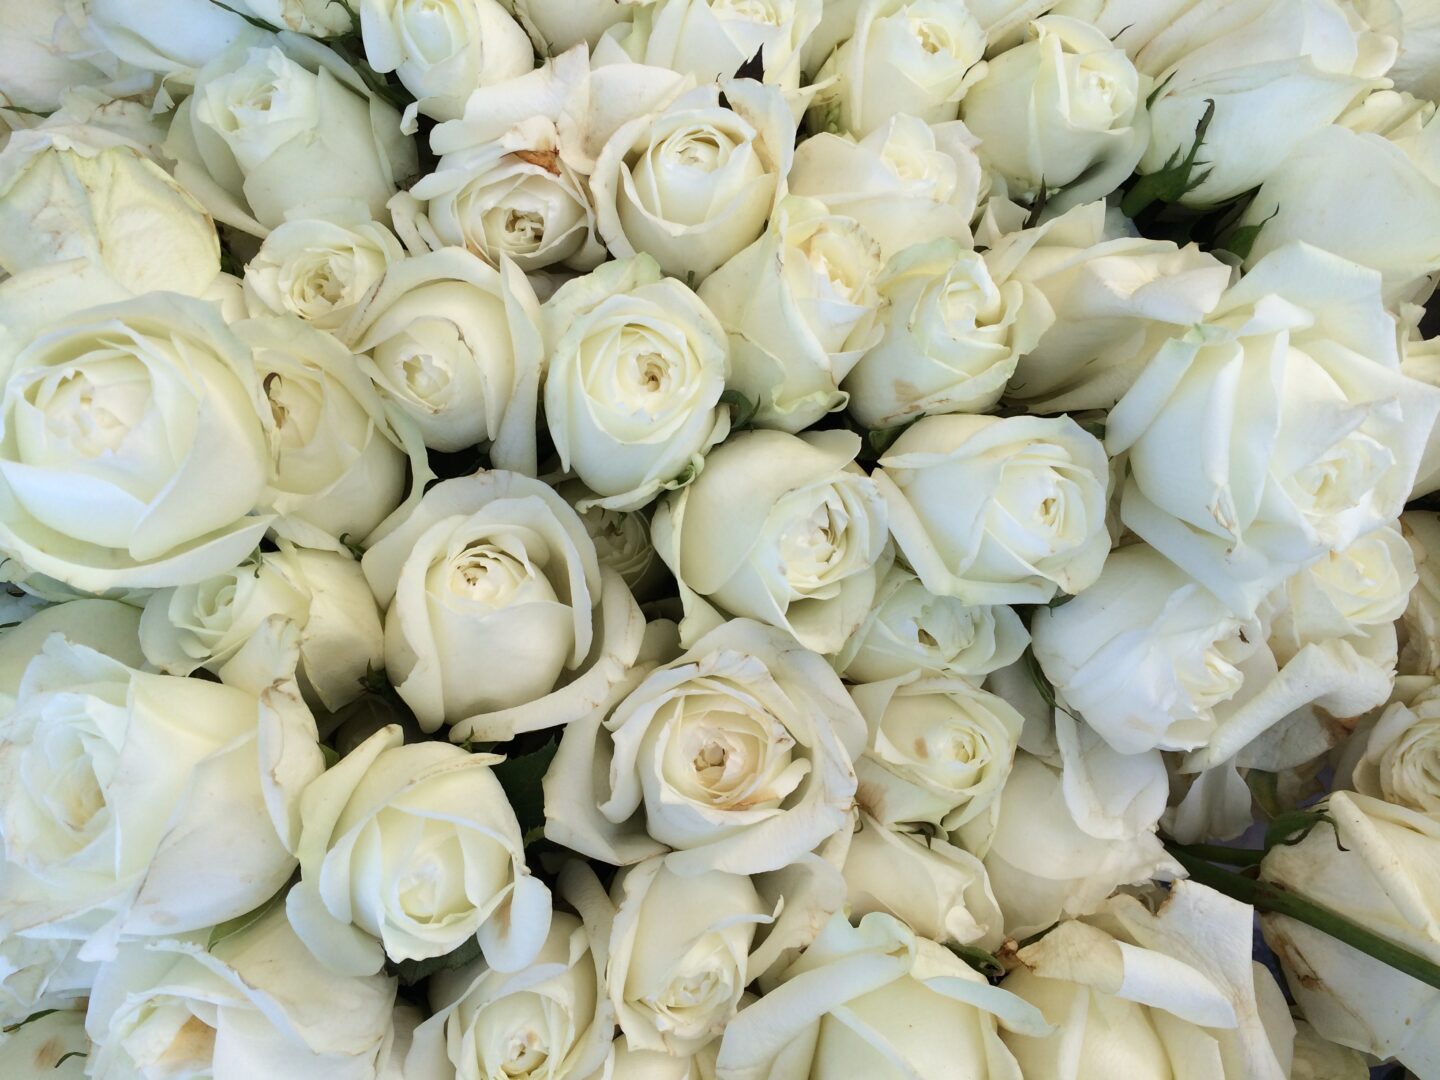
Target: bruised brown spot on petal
[49, 1053]
[549, 160]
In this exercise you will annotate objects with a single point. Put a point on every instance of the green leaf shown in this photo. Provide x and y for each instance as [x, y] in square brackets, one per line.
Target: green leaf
[742, 409]
[985, 963]
[66, 1057]
[880, 440]
[24, 111]
[1293, 826]
[352, 546]
[520, 777]
[1241, 239]
[1043, 685]
[28, 1020]
[260, 24]
[411, 972]
[231, 927]
[331, 755]
[1176, 179]
[1033, 218]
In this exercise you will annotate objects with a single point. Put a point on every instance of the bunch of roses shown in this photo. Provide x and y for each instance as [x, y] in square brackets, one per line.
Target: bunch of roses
[742, 539]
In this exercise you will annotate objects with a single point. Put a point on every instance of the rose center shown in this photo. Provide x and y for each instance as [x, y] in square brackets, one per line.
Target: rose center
[92, 419]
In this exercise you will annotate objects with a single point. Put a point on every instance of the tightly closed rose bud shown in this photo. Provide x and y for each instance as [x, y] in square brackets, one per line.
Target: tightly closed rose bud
[407, 852]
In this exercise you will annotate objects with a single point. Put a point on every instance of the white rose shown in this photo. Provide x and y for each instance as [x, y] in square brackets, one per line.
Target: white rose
[455, 345]
[879, 1002]
[678, 954]
[323, 593]
[1276, 71]
[1417, 65]
[1069, 834]
[953, 332]
[799, 306]
[150, 804]
[1280, 429]
[713, 39]
[54, 1046]
[281, 122]
[70, 191]
[557, 25]
[627, 1064]
[1321, 1059]
[737, 755]
[906, 182]
[551, 1019]
[408, 851]
[41, 56]
[1065, 110]
[1392, 229]
[1401, 758]
[693, 182]
[998, 511]
[37, 974]
[320, 265]
[131, 447]
[499, 619]
[909, 628]
[1116, 298]
[917, 57]
[1419, 626]
[511, 176]
[441, 51]
[1374, 866]
[107, 626]
[338, 465]
[635, 366]
[622, 540]
[254, 1004]
[1148, 656]
[933, 887]
[171, 37]
[782, 528]
[315, 18]
[938, 752]
[1153, 994]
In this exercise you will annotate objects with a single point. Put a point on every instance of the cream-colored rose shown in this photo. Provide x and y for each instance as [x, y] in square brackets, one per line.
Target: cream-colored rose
[678, 952]
[1153, 994]
[140, 805]
[279, 122]
[42, 57]
[314, 18]
[1071, 829]
[1276, 70]
[54, 1046]
[906, 182]
[1416, 69]
[782, 528]
[693, 182]
[939, 750]
[498, 618]
[1063, 112]
[998, 511]
[407, 852]
[1375, 864]
[323, 593]
[557, 25]
[875, 1000]
[551, 1019]
[911, 57]
[635, 366]
[622, 540]
[1116, 298]
[1278, 430]
[254, 1004]
[170, 37]
[799, 306]
[455, 345]
[131, 447]
[1391, 229]
[512, 176]
[442, 50]
[1321, 1059]
[737, 755]
[713, 39]
[953, 332]
[1401, 758]
[73, 191]
[37, 974]
[339, 464]
[320, 265]
[938, 890]
[1419, 626]
[909, 628]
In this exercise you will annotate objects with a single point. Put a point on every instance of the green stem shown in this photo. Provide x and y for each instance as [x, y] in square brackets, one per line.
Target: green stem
[1265, 896]
[1219, 853]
